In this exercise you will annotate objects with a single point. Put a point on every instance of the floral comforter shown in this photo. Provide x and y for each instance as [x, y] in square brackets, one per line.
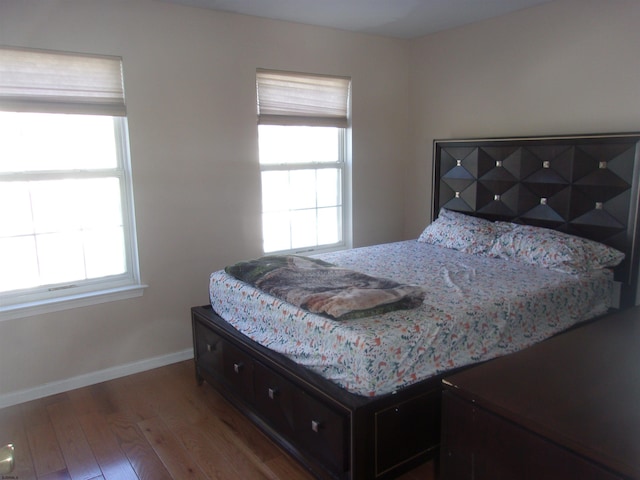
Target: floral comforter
[475, 308]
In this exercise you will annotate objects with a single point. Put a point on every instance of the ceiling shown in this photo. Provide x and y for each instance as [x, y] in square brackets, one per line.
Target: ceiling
[392, 18]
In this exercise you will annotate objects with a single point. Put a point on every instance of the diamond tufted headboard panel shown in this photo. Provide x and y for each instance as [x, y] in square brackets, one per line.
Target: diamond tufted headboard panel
[585, 185]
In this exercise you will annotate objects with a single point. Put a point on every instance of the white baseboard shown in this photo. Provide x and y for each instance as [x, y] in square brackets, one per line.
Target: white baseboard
[65, 385]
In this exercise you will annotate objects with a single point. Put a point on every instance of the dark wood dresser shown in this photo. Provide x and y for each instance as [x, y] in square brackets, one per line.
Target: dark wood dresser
[567, 408]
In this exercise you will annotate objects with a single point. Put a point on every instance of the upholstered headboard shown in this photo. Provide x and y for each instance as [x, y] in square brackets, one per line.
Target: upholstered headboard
[585, 185]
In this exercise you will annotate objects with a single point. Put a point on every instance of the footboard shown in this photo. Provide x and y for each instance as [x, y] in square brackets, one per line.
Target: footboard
[332, 433]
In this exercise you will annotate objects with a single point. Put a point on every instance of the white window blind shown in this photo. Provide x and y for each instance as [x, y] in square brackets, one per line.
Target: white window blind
[289, 98]
[58, 82]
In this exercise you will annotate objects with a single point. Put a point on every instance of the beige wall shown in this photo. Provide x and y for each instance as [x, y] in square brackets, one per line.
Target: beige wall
[190, 88]
[568, 66]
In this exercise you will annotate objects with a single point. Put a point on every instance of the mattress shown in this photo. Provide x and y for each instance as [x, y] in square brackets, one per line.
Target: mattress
[476, 308]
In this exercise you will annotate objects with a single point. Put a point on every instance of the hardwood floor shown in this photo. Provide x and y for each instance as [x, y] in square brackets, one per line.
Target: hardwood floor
[153, 425]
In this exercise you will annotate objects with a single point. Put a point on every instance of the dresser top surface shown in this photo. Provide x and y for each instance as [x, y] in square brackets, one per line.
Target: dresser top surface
[580, 389]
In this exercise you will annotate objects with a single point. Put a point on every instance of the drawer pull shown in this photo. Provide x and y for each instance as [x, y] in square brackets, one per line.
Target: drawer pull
[272, 393]
[237, 367]
[315, 426]
[210, 348]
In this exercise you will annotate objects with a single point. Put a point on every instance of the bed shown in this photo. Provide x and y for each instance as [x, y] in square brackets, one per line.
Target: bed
[360, 398]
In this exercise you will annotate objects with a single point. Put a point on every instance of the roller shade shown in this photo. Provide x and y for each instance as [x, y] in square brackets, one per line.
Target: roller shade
[59, 82]
[289, 98]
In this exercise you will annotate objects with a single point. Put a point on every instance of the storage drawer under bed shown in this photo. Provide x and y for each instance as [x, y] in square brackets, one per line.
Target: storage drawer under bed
[223, 360]
[336, 435]
[305, 421]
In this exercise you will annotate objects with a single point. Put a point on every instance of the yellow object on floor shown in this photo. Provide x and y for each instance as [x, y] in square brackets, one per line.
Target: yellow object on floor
[6, 459]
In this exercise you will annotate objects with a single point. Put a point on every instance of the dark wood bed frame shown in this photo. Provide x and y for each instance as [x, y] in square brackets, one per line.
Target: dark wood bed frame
[585, 185]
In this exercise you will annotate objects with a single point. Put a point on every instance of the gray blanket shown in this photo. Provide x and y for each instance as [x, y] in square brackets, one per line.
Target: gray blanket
[326, 289]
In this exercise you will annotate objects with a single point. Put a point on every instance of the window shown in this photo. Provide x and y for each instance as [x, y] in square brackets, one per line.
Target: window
[302, 122]
[67, 234]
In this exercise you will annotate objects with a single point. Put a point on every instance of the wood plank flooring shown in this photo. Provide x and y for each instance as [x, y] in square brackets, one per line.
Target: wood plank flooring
[153, 425]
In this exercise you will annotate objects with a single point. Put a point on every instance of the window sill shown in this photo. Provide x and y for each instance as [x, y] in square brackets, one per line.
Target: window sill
[73, 301]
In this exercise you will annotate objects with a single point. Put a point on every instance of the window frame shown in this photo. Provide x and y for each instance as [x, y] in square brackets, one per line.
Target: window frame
[65, 295]
[342, 166]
